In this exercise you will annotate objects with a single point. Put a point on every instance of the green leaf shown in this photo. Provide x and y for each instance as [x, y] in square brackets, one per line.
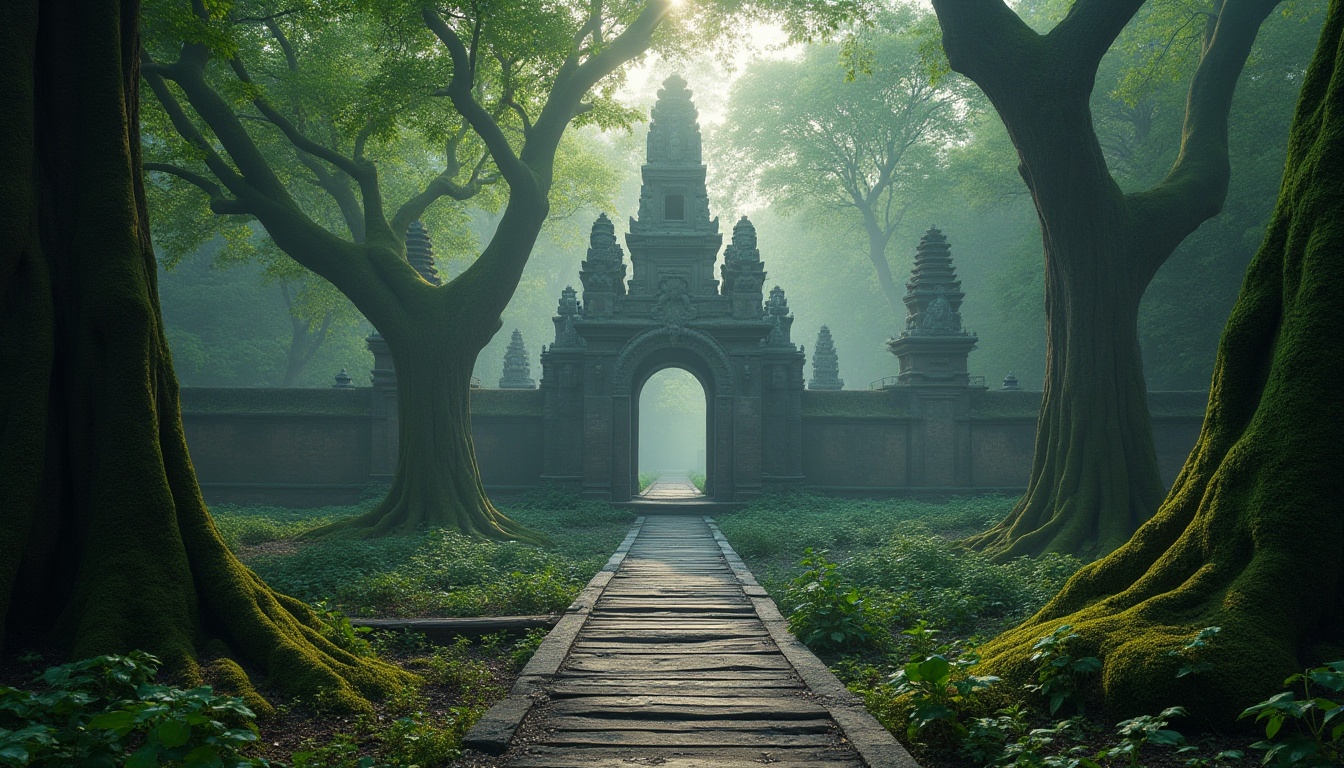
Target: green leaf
[144, 757]
[120, 720]
[1272, 728]
[173, 733]
[935, 669]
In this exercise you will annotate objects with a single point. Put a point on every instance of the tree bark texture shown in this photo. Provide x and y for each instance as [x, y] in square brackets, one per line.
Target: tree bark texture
[1251, 537]
[105, 543]
[1094, 476]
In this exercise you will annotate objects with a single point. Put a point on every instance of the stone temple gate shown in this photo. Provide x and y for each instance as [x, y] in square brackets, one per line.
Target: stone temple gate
[674, 312]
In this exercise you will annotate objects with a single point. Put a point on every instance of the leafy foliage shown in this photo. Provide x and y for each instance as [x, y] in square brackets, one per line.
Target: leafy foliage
[826, 613]
[940, 690]
[1318, 738]
[108, 711]
[1059, 675]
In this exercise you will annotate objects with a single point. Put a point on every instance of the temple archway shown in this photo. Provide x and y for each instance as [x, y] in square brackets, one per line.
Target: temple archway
[670, 424]
[673, 312]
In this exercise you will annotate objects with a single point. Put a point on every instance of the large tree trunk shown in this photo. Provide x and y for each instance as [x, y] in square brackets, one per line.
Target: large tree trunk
[437, 483]
[1251, 538]
[1094, 476]
[877, 253]
[105, 544]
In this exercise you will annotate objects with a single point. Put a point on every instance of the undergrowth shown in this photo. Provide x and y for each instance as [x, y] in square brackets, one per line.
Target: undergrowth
[436, 573]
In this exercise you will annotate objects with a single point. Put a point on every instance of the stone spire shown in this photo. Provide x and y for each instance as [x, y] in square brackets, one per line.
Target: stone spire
[603, 272]
[672, 237]
[932, 348]
[777, 312]
[742, 270]
[674, 131]
[825, 363]
[420, 252]
[517, 371]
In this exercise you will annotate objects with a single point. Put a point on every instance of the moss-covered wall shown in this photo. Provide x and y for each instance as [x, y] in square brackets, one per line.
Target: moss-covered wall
[313, 446]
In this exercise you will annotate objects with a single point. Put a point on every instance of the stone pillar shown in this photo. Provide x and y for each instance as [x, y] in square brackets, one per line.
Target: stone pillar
[517, 370]
[932, 348]
[825, 364]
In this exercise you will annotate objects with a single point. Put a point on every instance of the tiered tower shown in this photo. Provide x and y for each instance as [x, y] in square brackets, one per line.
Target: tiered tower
[672, 240]
[932, 349]
[825, 363]
[517, 371]
[420, 252]
[603, 272]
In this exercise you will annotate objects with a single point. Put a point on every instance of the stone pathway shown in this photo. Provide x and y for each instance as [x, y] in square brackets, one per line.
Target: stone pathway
[683, 662]
[671, 487]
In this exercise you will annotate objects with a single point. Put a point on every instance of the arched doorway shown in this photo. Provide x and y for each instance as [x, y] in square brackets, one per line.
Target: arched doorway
[670, 423]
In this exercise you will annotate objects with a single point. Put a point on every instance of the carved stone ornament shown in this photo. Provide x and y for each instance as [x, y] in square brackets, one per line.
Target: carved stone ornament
[672, 305]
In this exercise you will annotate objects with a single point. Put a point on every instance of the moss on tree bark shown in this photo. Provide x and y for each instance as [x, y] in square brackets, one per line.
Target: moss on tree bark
[105, 543]
[1251, 537]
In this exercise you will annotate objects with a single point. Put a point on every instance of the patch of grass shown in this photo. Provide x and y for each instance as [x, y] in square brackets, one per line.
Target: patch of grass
[437, 573]
[698, 480]
[646, 479]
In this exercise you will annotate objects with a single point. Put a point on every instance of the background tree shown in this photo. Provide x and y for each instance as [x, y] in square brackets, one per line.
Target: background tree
[514, 77]
[105, 544]
[1094, 475]
[1251, 538]
[864, 134]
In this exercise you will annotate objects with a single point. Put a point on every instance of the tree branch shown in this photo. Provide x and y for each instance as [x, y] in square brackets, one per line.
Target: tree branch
[1196, 186]
[986, 41]
[459, 89]
[219, 202]
[1087, 31]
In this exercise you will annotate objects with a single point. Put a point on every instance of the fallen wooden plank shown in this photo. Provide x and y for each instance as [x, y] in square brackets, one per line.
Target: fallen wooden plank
[436, 629]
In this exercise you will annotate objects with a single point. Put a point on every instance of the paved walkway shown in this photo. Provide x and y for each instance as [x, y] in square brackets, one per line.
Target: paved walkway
[671, 487]
[678, 663]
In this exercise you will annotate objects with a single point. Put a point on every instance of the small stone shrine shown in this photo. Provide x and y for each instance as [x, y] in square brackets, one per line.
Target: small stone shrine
[825, 363]
[932, 349]
[517, 371]
[673, 313]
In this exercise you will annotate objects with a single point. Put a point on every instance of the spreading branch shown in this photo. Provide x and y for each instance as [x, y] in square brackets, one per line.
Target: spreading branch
[220, 202]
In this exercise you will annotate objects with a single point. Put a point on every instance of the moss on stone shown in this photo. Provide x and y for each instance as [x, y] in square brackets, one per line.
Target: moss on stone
[277, 401]
[855, 404]
[506, 402]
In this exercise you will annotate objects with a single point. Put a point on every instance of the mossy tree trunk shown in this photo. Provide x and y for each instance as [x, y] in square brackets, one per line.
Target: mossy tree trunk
[105, 544]
[434, 332]
[1251, 537]
[1094, 476]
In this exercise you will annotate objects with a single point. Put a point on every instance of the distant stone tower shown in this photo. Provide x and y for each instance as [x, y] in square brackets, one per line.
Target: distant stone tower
[825, 363]
[603, 272]
[517, 371]
[932, 349]
[420, 252]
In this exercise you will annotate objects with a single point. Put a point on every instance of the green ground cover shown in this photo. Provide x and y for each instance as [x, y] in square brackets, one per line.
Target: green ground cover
[438, 573]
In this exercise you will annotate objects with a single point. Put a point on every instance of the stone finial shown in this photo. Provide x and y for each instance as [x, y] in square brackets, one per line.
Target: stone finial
[1010, 383]
[603, 272]
[778, 305]
[674, 130]
[343, 381]
[569, 302]
[742, 270]
[825, 364]
[420, 252]
[517, 371]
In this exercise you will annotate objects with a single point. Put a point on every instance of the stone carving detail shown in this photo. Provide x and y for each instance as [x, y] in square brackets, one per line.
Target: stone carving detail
[937, 316]
[777, 312]
[742, 270]
[825, 363]
[603, 272]
[569, 302]
[672, 306]
[420, 253]
[517, 371]
[569, 337]
[674, 133]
